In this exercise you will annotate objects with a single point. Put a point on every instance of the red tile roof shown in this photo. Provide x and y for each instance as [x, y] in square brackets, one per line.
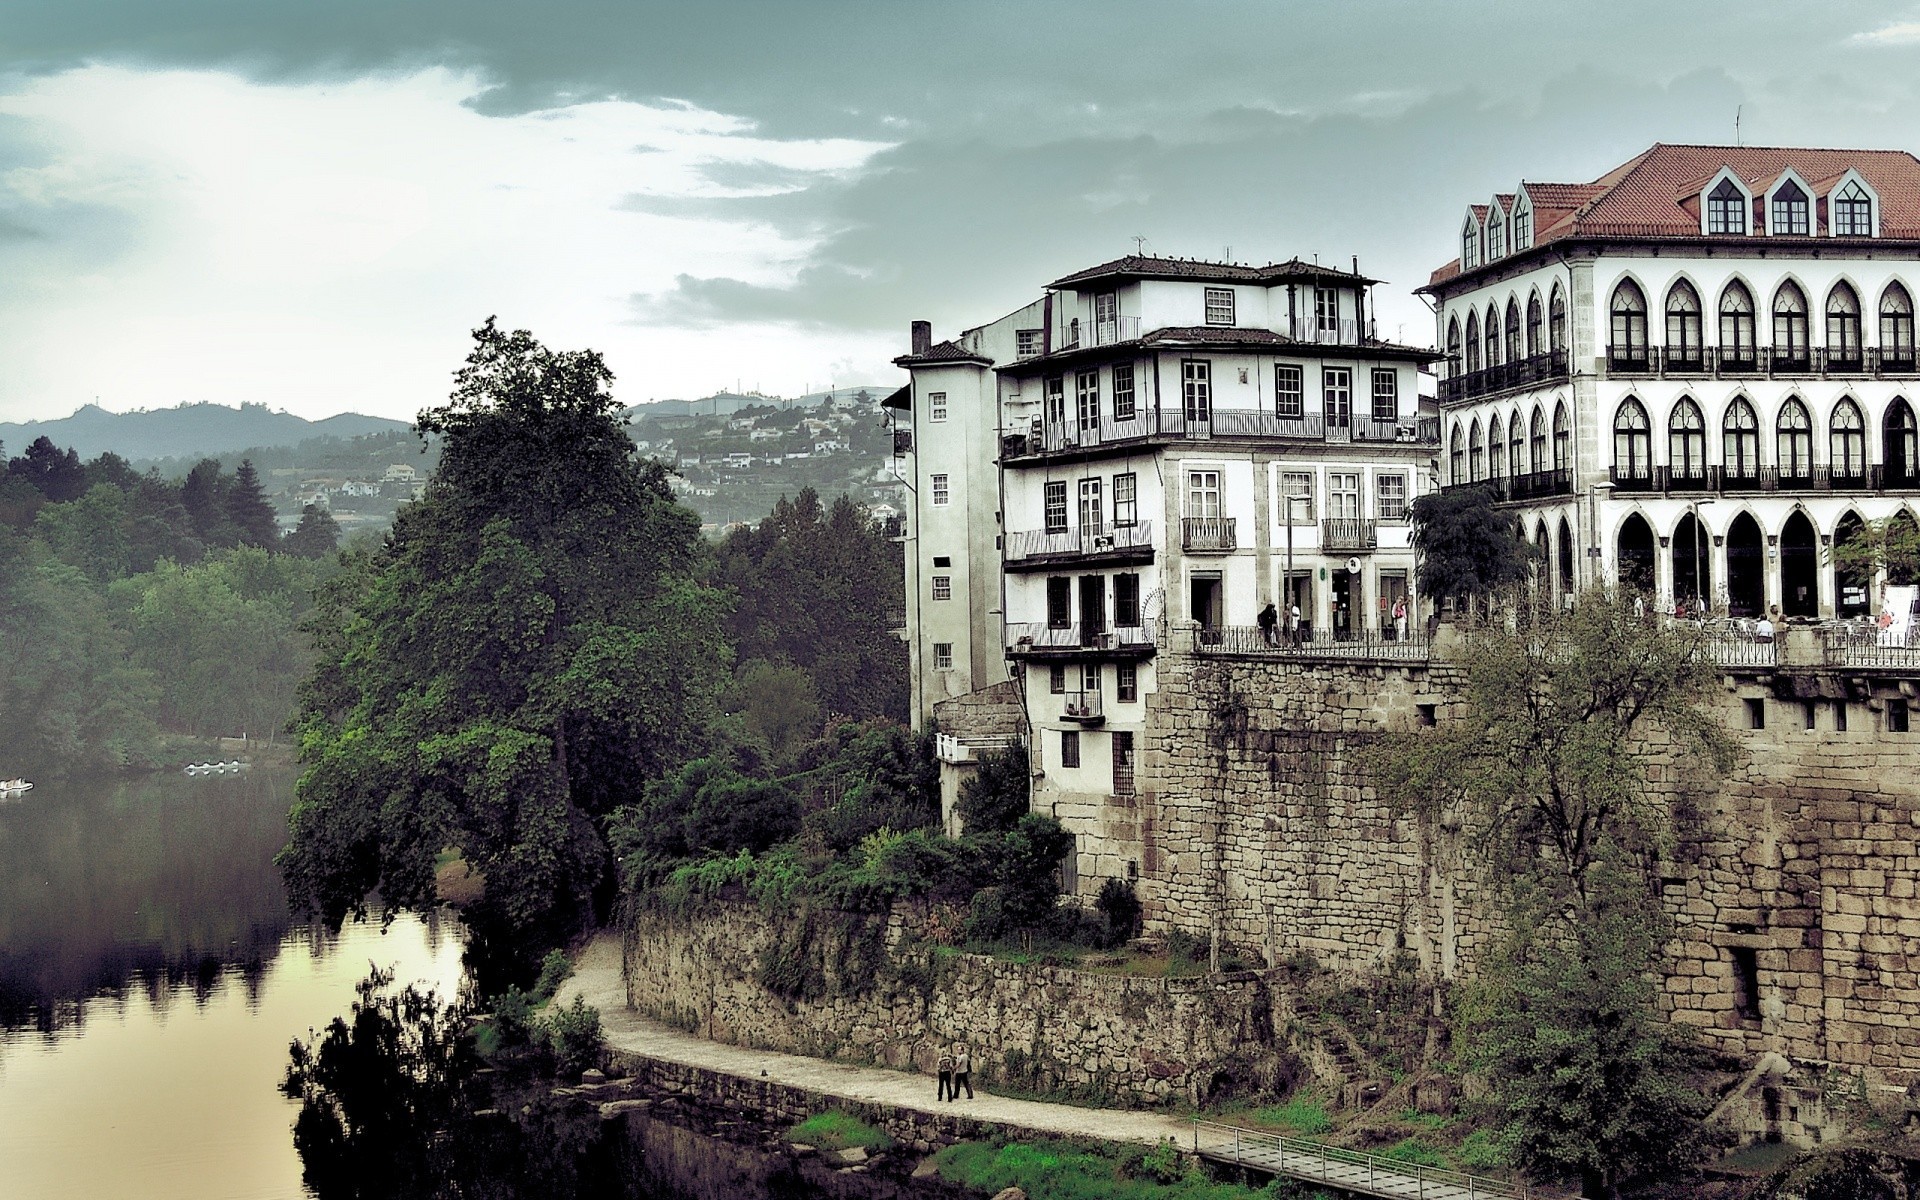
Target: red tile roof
[1141, 267]
[948, 351]
[1655, 194]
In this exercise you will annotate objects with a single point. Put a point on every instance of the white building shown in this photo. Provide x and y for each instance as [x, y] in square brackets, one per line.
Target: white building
[1691, 375]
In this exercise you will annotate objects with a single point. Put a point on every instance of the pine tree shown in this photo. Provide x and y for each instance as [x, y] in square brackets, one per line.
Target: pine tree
[317, 535]
[248, 510]
[203, 496]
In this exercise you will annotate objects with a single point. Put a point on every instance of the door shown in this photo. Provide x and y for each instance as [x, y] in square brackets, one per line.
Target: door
[1393, 595]
[1204, 603]
[1347, 601]
[1093, 609]
[1336, 400]
[1106, 323]
[1799, 568]
[1196, 391]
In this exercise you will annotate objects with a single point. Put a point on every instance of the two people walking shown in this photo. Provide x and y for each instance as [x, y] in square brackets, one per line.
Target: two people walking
[955, 1069]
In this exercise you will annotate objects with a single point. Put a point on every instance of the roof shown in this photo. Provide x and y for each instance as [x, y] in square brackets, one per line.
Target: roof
[1225, 336]
[943, 352]
[1135, 266]
[1655, 194]
[902, 399]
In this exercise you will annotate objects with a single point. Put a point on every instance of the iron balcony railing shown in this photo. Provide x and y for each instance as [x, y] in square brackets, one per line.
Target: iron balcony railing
[1084, 707]
[1314, 331]
[1208, 535]
[1070, 434]
[1323, 643]
[1044, 637]
[1532, 486]
[1867, 645]
[1093, 541]
[1344, 535]
[1740, 362]
[1734, 648]
[1521, 373]
[1080, 333]
[954, 748]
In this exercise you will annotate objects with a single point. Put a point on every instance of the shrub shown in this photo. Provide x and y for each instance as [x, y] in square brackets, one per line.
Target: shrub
[573, 1034]
[1413, 1150]
[1162, 1164]
[554, 970]
[1121, 908]
[513, 1020]
[1298, 1114]
[1482, 1150]
[836, 1130]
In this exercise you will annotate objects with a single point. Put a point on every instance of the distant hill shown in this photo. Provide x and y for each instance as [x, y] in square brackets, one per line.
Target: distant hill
[725, 404]
[189, 430]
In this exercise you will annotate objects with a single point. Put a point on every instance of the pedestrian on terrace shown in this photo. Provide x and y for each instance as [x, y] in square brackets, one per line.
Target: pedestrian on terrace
[962, 1073]
[944, 1067]
[1269, 617]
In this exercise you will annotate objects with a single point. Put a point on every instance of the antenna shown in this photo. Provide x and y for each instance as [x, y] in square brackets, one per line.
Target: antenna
[1736, 123]
[1140, 245]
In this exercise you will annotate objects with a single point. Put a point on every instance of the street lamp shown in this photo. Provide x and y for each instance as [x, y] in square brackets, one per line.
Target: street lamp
[1700, 556]
[1286, 587]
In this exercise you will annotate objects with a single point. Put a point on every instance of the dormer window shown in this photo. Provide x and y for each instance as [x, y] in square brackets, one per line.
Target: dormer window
[1852, 211]
[1470, 244]
[1788, 215]
[1219, 306]
[1496, 235]
[1522, 226]
[1727, 208]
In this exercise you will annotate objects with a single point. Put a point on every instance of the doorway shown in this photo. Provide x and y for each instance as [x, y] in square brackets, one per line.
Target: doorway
[1348, 597]
[1692, 570]
[1093, 609]
[1566, 562]
[1298, 591]
[1636, 555]
[1205, 602]
[1393, 593]
[1746, 568]
[1799, 567]
[1849, 579]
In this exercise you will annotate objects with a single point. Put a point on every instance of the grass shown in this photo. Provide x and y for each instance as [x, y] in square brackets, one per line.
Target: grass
[1416, 1152]
[1298, 1115]
[1063, 1170]
[835, 1130]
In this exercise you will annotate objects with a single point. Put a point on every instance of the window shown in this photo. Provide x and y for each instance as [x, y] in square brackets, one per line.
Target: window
[1326, 312]
[1897, 716]
[1497, 447]
[936, 406]
[1533, 325]
[1632, 442]
[1196, 390]
[1516, 441]
[1122, 762]
[1457, 452]
[1629, 346]
[1740, 440]
[1901, 444]
[1028, 343]
[1684, 335]
[1336, 395]
[943, 656]
[1203, 493]
[1852, 211]
[1493, 336]
[1473, 342]
[1106, 318]
[1056, 402]
[940, 494]
[1790, 325]
[1090, 515]
[1896, 325]
[1789, 214]
[1289, 390]
[1476, 453]
[1123, 407]
[1057, 679]
[1086, 393]
[1727, 208]
[1090, 678]
[1126, 682]
[1470, 243]
[943, 587]
[1298, 484]
[1386, 394]
[1687, 441]
[1455, 365]
[1059, 602]
[943, 560]
[1219, 306]
[1126, 499]
[1746, 979]
[1847, 441]
[1843, 327]
[1391, 493]
[1056, 507]
[1343, 494]
[1839, 716]
[1793, 441]
[1069, 748]
[1522, 227]
[1496, 234]
[1513, 331]
[1557, 321]
[1537, 445]
[1126, 600]
[1562, 439]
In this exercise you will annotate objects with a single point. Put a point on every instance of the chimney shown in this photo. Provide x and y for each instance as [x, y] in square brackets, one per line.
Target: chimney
[922, 336]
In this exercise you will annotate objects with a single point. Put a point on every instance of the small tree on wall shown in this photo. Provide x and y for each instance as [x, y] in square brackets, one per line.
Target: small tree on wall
[1469, 549]
[1550, 766]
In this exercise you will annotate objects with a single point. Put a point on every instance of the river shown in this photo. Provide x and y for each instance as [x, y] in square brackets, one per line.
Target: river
[152, 979]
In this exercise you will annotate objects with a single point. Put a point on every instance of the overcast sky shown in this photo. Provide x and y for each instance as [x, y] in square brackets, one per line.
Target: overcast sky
[310, 204]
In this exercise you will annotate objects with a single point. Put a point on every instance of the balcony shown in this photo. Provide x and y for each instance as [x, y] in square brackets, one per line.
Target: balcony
[1042, 639]
[1743, 362]
[951, 748]
[1147, 426]
[1109, 332]
[1084, 708]
[1867, 646]
[1347, 535]
[1208, 535]
[1035, 549]
[1314, 331]
[1632, 361]
[1522, 373]
[1751, 480]
[1532, 486]
[1250, 641]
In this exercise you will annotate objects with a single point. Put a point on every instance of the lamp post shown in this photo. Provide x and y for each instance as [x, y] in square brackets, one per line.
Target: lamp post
[1700, 556]
[1286, 586]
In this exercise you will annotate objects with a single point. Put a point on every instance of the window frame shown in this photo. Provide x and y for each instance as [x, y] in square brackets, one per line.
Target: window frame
[1740, 439]
[1029, 343]
[1126, 683]
[1390, 411]
[940, 489]
[1860, 205]
[1628, 343]
[942, 588]
[1787, 216]
[1219, 307]
[1336, 396]
[1126, 500]
[1308, 490]
[1126, 600]
[936, 407]
[1686, 327]
[1092, 503]
[1289, 379]
[1686, 440]
[1070, 749]
[1059, 602]
[1847, 444]
[1344, 492]
[943, 656]
[1726, 205]
[1196, 390]
[1845, 334]
[1391, 509]
[1632, 440]
[1202, 483]
[1123, 387]
[1794, 325]
[1057, 679]
[1793, 443]
[1739, 327]
[1053, 505]
[1896, 323]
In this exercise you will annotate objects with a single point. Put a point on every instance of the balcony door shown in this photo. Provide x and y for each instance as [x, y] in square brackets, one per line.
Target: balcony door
[1093, 609]
[1205, 601]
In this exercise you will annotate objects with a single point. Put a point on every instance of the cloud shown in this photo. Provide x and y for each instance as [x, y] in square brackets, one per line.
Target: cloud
[326, 245]
[1894, 33]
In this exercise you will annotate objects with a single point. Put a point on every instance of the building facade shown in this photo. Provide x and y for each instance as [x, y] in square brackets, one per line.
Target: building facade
[1694, 375]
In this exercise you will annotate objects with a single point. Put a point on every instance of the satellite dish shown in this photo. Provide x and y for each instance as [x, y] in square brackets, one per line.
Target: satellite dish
[1353, 566]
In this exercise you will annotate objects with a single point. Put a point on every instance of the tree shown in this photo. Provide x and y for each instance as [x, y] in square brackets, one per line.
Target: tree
[1551, 767]
[776, 702]
[51, 471]
[524, 654]
[248, 511]
[1890, 544]
[1469, 549]
[204, 497]
[317, 535]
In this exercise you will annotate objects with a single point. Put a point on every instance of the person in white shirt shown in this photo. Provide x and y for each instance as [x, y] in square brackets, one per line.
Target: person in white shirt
[1763, 630]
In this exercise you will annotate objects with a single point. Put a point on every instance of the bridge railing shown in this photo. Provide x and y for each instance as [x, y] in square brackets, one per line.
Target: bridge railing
[1341, 1168]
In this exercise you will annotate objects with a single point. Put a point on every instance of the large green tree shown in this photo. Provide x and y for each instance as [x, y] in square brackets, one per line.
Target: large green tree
[1469, 548]
[524, 654]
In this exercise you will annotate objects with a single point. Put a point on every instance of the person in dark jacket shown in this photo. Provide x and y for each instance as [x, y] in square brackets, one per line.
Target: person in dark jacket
[944, 1067]
[962, 1073]
[1269, 617]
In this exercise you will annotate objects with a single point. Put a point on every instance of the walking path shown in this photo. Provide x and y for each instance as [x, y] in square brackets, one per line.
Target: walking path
[596, 976]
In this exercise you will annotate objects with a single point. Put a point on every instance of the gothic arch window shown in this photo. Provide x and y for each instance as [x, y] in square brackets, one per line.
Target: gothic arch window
[1562, 438]
[1629, 310]
[1496, 233]
[1497, 448]
[1790, 326]
[1727, 208]
[1493, 336]
[1740, 440]
[1896, 324]
[1516, 443]
[1533, 324]
[1470, 243]
[1514, 349]
[1847, 441]
[1473, 342]
[1458, 454]
[1793, 440]
[1632, 441]
[1852, 211]
[1737, 337]
[1557, 321]
[1522, 225]
[1537, 443]
[1686, 441]
[1476, 453]
[1899, 445]
[1790, 214]
[1685, 336]
[1454, 365]
[1843, 327]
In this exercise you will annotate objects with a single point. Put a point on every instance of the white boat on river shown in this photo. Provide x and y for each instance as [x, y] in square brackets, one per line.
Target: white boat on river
[231, 767]
[14, 787]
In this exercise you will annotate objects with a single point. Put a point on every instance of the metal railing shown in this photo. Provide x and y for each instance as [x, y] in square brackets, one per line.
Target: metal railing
[1342, 332]
[1251, 640]
[1209, 535]
[1069, 435]
[1099, 333]
[1083, 706]
[1718, 362]
[1345, 534]
[1530, 486]
[1352, 1170]
[953, 748]
[1866, 645]
[1084, 542]
[1030, 637]
[1525, 372]
[1734, 647]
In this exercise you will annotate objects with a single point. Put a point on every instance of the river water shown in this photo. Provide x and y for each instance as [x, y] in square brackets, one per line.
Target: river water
[151, 981]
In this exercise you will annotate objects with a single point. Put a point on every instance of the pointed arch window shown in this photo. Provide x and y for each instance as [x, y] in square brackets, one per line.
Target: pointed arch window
[1470, 244]
[1515, 351]
[1847, 442]
[1790, 348]
[1896, 326]
[1557, 322]
[1496, 234]
[1522, 227]
[1737, 336]
[1852, 211]
[1562, 439]
[1789, 216]
[1533, 325]
[1454, 366]
[1900, 444]
[1740, 440]
[1516, 444]
[1793, 441]
[1457, 448]
[1632, 442]
[1628, 349]
[1727, 208]
[1476, 453]
[1843, 329]
[1537, 443]
[1473, 342]
[1686, 441]
[1493, 336]
[1685, 337]
[1496, 448]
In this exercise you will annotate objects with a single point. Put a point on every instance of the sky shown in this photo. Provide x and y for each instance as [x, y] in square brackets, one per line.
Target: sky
[310, 204]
